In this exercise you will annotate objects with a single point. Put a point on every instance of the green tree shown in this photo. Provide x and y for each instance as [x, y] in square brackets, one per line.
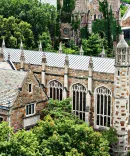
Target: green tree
[41, 17]
[15, 30]
[93, 46]
[108, 25]
[61, 133]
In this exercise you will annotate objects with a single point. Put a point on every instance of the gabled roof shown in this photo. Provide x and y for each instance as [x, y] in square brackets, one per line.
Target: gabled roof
[10, 82]
[5, 65]
[76, 62]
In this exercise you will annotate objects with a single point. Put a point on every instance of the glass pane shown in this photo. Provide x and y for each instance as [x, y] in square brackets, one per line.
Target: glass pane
[109, 105]
[57, 93]
[29, 109]
[105, 121]
[98, 104]
[105, 105]
[101, 104]
[108, 124]
[101, 120]
[84, 101]
[54, 94]
[60, 94]
[81, 101]
[77, 103]
[81, 116]
[26, 110]
[51, 92]
[73, 100]
[32, 108]
[97, 119]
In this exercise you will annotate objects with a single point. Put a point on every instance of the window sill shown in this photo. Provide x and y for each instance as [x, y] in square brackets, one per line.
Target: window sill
[30, 115]
[101, 128]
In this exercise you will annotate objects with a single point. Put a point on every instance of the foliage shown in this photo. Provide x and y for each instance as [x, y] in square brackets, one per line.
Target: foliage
[41, 17]
[123, 9]
[107, 26]
[15, 30]
[84, 33]
[46, 41]
[93, 46]
[59, 133]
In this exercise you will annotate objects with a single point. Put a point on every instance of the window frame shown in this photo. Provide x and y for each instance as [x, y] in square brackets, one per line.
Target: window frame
[109, 94]
[55, 89]
[32, 113]
[84, 99]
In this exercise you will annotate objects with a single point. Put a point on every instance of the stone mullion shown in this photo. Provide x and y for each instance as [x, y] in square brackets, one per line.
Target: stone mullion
[75, 102]
[100, 109]
[79, 104]
[103, 109]
[82, 104]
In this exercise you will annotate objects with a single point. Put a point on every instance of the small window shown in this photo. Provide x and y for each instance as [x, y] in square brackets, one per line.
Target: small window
[30, 88]
[30, 109]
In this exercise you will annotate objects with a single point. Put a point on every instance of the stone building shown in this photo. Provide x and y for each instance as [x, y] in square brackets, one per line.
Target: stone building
[98, 86]
[22, 97]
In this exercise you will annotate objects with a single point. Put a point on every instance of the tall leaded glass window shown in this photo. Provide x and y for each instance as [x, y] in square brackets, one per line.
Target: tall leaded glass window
[79, 100]
[56, 90]
[103, 106]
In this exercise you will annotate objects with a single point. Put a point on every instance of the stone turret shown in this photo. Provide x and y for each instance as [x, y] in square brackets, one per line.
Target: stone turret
[22, 57]
[44, 61]
[66, 67]
[121, 95]
[81, 51]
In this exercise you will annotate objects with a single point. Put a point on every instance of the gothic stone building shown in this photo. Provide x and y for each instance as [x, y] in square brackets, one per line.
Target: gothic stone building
[99, 87]
[21, 97]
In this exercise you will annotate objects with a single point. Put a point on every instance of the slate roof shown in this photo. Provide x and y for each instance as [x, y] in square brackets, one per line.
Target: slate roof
[76, 62]
[5, 65]
[10, 81]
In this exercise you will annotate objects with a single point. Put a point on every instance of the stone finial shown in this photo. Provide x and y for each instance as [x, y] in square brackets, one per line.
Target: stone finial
[21, 45]
[90, 63]
[67, 60]
[1, 55]
[81, 51]
[102, 54]
[44, 58]
[40, 46]
[8, 56]
[60, 48]
[3, 43]
[122, 43]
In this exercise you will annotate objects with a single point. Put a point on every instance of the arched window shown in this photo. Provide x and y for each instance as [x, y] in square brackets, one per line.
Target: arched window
[103, 106]
[79, 100]
[56, 90]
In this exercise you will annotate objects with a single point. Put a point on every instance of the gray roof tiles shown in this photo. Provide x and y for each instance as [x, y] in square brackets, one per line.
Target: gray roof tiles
[10, 81]
[76, 62]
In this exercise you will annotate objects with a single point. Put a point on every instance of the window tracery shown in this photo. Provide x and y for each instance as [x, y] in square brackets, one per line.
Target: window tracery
[79, 100]
[56, 90]
[103, 106]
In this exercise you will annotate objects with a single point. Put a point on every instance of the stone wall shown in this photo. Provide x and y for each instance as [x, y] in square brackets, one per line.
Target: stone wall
[37, 96]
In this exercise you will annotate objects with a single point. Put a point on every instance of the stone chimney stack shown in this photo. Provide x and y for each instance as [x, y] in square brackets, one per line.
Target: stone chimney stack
[22, 57]
[44, 61]
[66, 67]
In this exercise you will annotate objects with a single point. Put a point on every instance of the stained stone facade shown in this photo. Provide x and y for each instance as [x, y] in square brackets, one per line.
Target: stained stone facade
[98, 86]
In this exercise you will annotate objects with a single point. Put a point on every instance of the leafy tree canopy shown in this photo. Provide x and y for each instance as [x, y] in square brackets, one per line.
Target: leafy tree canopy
[15, 30]
[59, 133]
[41, 17]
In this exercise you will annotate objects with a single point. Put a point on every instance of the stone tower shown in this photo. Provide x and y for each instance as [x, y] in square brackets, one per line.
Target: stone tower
[121, 95]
